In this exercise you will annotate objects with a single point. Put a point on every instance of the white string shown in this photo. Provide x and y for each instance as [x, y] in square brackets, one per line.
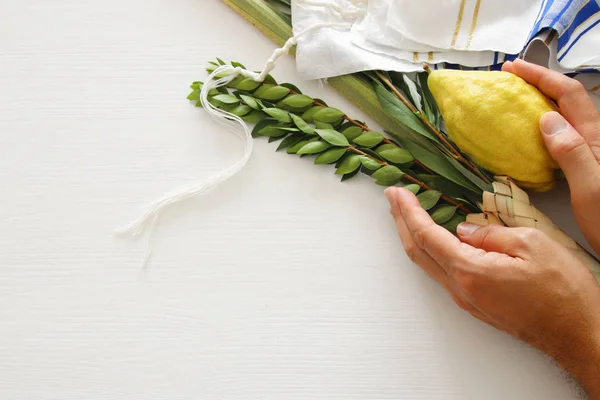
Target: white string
[220, 77]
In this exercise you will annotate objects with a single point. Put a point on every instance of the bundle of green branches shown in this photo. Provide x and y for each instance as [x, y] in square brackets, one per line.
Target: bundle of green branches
[416, 152]
[447, 184]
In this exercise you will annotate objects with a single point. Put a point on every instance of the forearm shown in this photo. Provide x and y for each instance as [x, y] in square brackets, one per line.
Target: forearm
[584, 365]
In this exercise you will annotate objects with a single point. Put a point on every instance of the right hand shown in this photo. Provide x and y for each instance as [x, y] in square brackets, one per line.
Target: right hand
[573, 140]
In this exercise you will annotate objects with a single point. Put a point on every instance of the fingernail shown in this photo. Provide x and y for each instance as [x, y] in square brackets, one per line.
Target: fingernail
[552, 123]
[466, 229]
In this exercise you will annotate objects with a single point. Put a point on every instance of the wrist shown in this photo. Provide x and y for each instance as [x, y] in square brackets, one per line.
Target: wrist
[582, 361]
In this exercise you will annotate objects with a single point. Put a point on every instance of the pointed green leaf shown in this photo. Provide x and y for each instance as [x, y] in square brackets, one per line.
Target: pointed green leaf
[369, 163]
[236, 81]
[431, 109]
[195, 95]
[215, 102]
[351, 175]
[328, 115]
[394, 107]
[279, 115]
[221, 62]
[292, 87]
[350, 164]
[388, 173]
[297, 101]
[302, 125]
[313, 148]
[294, 148]
[308, 114]
[269, 79]
[240, 110]
[369, 139]
[271, 130]
[227, 99]
[429, 199]
[413, 188]
[387, 183]
[333, 137]
[250, 101]
[289, 141]
[272, 93]
[370, 152]
[456, 220]
[330, 156]
[237, 65]
[352, 132]
[262, 88]
[276, 138]
[434, 159]
[288, 129]
[261, 125]
[443, 214]
[248, 85]
[397, 155]
[323, 125]
[486, 187]
[384, 147]
[413, 92]
[253, 117]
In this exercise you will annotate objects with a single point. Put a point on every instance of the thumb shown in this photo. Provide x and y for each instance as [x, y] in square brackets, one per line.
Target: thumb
[494, 238]
[570, 150]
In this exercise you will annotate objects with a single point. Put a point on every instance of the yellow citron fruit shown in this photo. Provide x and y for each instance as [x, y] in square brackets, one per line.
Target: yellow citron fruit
[494, 118]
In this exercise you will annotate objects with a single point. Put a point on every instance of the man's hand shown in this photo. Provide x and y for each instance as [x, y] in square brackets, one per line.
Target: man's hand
[515, 279]
[573, 140]
[518, 279]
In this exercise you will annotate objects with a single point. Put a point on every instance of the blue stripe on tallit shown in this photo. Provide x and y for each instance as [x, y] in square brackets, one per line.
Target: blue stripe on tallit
[586, 12]
[577, 39]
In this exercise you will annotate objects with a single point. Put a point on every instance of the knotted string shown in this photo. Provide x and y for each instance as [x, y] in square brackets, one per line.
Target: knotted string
[220, 77]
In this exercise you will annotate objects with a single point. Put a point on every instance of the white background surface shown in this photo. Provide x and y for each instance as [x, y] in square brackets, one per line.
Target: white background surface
[282, 284]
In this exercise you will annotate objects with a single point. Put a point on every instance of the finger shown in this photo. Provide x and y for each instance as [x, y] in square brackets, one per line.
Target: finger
[507, 67]
[511, 242]
[572, 98]
[571, 152]
[437, 242]
[414, 252]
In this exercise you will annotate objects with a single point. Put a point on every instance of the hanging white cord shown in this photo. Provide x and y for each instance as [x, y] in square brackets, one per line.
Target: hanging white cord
[147, 221]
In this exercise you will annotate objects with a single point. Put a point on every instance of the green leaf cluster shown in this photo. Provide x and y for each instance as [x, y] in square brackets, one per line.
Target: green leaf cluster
[306, 126]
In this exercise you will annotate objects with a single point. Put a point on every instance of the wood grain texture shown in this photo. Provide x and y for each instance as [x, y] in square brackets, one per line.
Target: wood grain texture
[282, 284]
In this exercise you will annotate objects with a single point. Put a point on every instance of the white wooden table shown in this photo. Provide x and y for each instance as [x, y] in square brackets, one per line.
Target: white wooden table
[283, 284]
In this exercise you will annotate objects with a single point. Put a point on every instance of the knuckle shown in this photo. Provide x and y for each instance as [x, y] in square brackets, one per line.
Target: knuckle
[570, 86]
[411, 250]
[420, 236]
[530, 236]
[571, 145]
[487, 233]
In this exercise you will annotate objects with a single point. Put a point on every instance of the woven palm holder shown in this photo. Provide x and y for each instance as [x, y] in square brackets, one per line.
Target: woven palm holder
[510, 206]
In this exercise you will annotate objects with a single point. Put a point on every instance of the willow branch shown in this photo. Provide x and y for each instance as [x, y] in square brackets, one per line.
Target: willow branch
[454, 152]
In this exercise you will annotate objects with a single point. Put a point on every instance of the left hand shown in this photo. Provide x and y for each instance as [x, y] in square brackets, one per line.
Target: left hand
[518, 280]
